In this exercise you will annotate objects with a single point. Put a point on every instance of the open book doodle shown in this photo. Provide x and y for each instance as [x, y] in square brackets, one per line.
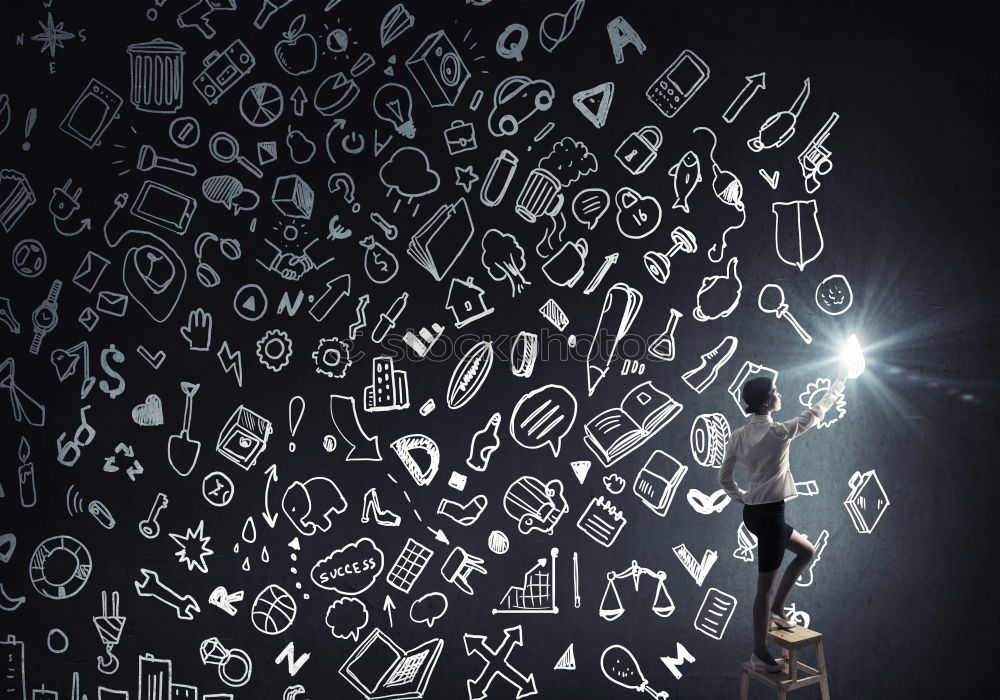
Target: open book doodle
[618, 431]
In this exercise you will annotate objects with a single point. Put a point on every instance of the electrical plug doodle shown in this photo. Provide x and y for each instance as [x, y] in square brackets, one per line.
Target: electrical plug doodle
[63, 205]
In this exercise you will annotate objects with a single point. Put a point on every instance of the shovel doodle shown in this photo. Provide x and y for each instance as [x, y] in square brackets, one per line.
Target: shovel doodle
[182, 451]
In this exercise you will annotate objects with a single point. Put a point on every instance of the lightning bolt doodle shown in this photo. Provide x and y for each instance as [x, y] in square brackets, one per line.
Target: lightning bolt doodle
[231, 361]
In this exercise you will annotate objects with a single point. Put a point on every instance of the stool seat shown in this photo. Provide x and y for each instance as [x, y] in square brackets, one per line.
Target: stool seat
[791, 642]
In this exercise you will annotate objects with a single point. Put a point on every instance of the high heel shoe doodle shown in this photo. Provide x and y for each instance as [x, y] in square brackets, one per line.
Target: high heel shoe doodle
[382, 517]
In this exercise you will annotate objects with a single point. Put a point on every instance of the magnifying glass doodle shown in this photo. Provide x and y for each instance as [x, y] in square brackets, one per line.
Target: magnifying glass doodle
[225, 149]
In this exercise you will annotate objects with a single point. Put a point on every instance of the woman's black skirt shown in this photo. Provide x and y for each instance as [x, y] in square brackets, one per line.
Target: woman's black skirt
[767, 522]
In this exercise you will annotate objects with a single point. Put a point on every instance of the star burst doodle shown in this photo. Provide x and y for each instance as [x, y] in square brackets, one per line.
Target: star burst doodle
[193, 548]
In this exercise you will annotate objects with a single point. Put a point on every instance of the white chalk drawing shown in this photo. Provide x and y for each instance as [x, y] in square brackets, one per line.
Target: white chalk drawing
[780, 126]
[698, 569]
[346, 617]
[69, 451]
[543, 416]
[552, 313]
[566, 662]
[409, 565]
[463, 513]
[198, 330]
[639, 149]
[602, 521]
[718, 295]
[814, 391]
[62, 206]
[498, 178]
[771, 300]
[351, 569]
[93, 112]
[613, 483]
[234, 665]
[589, 205]
[816, 159]
[109, 626]
[182, 451]
[149, 412]
[755, 82]
[798, 239]
[91, 269]
[503, 258]
[595, 103]
[834, 295]
[308, 504]
[638, 215]
[707, 504]
[747, 542]
[429, 608]
[29, 258]
[438, 69]
[484, 443]
[556, 27]
[709, 436]
[687, 174]
[867, 502]
[770, 178]
[149, 527]
[394, 103]
[535, 505]
[611, 602]
[658, 264]
[470, 374]
[97, 509]
[379, 669]
[273, 610]
[621, 668]
[673, 663]
[678, 83]
[404, 448]
[45, 317]
[537, 594]
[344, 414]
[728, 191]
[371, 508]
[621, 305]
[498, 542]
[60, 567]
[151, 587]
[515, 100]
[657, 482]
[618, 431]
[450, 229]
[193, 547]
[274, 349]
[395, 22]
[218, 489]
[622, 34]
[715, 612]
[664, 346]
[226, 149]
[465, 301]
[497, 664]
[706, 372]
[243, 437]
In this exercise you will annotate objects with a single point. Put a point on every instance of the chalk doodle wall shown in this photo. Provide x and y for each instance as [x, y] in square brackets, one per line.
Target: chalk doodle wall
[361, 349]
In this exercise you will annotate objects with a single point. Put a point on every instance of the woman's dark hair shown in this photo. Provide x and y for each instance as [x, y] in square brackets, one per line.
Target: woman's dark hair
[755, 392]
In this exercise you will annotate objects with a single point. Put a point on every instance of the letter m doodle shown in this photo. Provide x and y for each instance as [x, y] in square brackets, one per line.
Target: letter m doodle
[288, 655]
[673, 662]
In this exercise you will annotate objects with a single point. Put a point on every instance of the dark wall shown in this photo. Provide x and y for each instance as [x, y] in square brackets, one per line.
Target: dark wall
[906, 215]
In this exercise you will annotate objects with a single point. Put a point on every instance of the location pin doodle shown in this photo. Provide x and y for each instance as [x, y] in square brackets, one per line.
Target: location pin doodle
[296, 407]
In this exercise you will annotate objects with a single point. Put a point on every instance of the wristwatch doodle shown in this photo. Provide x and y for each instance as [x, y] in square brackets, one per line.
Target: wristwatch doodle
[44, 317]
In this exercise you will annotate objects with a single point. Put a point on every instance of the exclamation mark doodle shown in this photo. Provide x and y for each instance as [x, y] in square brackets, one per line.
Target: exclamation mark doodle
[29, 124]
[296, 407]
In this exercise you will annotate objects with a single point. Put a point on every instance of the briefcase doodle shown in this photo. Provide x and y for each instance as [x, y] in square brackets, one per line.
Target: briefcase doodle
[460, 137]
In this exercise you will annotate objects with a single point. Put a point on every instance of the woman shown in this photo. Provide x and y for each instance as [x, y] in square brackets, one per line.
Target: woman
[762, 447]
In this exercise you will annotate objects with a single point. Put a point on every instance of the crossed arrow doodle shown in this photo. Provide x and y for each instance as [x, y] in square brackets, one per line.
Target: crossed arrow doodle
[497, 664]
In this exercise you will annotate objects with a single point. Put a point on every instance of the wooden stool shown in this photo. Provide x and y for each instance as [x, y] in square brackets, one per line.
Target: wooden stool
[791, 641]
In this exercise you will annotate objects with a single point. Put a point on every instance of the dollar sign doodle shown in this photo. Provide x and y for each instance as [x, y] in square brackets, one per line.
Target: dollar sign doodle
[116, 356]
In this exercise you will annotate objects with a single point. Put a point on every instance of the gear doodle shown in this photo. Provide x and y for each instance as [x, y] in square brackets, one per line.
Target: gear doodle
[814, 392]
[274, 349]
[332, 357]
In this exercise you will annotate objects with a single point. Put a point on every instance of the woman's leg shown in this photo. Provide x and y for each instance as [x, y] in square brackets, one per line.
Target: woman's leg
[761, 618]
[804, 552]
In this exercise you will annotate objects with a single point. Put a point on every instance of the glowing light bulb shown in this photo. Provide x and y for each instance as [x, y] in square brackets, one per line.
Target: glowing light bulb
[394, 104]
[852, 355]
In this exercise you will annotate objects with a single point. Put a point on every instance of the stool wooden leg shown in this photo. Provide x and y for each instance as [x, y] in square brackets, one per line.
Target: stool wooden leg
[744, 684]
[793, 669]
[821, 662]
[782, 693]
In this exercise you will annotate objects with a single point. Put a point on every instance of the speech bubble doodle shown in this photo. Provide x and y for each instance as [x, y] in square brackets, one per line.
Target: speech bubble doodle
[428, 608]
[543, 417]
[589, 206]
[350, 570]
[346, 617]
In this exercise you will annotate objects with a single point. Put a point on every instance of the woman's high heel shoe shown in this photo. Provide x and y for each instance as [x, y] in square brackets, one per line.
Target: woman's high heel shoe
[781, 621]
[759, 664]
